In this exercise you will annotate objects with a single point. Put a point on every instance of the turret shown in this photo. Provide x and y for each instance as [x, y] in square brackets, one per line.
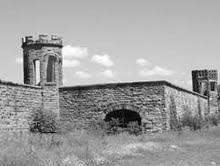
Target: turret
[205, 82]
[42, 59]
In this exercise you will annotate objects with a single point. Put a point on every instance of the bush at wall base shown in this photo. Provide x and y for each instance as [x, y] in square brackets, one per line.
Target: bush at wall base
[43, 122]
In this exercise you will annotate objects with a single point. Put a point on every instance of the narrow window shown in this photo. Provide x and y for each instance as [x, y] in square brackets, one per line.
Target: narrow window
[51, 69]
[37, 72]
[212, 86]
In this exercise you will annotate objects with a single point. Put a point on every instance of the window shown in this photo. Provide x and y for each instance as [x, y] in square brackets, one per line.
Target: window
[212, 86]
[51, 69]
[37, 71]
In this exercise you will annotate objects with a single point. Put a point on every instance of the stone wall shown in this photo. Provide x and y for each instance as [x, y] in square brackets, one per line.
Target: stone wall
[83, 104]
[183, 100]
[16, 104]
[18, 101]
[50, 98]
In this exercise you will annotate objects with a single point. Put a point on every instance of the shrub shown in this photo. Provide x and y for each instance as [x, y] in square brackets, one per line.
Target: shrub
[213, 120]
[197, 123]
[113, 126]
[134, 128]
[193, 122]
[44, 122]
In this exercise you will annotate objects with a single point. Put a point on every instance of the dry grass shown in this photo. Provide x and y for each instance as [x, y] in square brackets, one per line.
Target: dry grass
[80, 148]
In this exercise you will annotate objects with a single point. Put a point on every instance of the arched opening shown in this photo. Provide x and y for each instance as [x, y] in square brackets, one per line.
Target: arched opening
[51, 69]
[124, 117]
[37, 72]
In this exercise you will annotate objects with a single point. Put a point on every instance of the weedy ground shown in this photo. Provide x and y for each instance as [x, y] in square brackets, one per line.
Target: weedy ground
[86, 148]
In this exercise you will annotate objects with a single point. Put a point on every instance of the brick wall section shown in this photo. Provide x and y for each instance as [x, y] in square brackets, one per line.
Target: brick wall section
[83, 104]
[184, 100]
[18, 101]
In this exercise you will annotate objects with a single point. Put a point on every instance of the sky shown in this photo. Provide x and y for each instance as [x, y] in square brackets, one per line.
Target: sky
[116, 40]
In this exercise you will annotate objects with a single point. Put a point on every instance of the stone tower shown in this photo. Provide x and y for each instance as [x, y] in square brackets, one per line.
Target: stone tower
[205, 82]
[42, 60]
[42, 63]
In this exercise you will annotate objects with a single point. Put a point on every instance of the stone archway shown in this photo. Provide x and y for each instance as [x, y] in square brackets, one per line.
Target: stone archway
[125, 115]
[114, 107]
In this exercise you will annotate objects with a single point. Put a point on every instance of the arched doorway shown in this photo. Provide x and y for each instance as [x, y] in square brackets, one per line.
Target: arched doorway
[124, 117]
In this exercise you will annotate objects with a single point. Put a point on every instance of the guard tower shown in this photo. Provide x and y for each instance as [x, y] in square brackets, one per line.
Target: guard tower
[42, 60]
[42, 64]
[205, 82]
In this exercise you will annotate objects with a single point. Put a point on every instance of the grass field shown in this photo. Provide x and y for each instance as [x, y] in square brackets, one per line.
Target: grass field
[81, 148]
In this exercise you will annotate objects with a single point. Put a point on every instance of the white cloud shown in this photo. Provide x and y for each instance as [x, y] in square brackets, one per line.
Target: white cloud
[156, 71]
[70, 52]
[82, 75]
[107, 74]
[103, 60]
[19, 60]
[68, 63]
[143, 62]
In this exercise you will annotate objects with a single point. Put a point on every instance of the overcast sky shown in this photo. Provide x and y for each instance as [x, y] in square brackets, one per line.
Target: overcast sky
[116, 40]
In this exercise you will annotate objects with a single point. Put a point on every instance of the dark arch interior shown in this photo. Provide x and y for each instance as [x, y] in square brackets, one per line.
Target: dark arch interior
[124, 117]
[51, 69]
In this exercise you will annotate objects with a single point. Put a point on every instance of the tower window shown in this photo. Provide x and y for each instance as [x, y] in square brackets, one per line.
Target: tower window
[51, 69]
[37, 71]
[212, 86]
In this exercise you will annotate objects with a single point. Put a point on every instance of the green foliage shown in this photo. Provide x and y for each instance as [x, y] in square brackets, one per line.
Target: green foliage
[43, 122]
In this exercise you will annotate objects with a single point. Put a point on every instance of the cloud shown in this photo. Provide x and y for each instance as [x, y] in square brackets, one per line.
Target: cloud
[156, 71]
[103, 60]
[107, 74]
[68, 63]
[82, 75]
[143, 62]
[70, 52]
[19, 60]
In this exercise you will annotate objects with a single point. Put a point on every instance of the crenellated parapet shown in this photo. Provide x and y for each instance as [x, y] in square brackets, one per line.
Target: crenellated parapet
[205, 74]
[52, 40]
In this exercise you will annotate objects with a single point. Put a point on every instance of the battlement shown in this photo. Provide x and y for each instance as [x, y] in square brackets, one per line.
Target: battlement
[205, 74]
[43, 40]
